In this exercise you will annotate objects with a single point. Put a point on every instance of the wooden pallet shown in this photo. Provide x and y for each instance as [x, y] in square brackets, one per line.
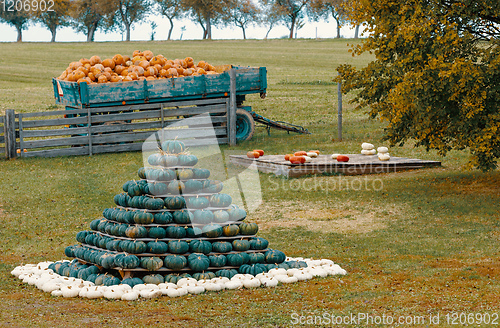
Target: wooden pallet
[358, 164]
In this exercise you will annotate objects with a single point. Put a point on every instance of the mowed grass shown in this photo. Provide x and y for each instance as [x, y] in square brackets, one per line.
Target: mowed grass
[414, 243]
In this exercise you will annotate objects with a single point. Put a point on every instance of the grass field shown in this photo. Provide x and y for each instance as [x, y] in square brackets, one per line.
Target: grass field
[414, 243]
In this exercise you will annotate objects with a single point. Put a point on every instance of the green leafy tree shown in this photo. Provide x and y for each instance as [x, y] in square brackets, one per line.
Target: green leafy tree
[88, 16]
[126, 13]
[19, 19]
[436, 76]
[290, 12]
[172, 10]
[318, 9]
[243, 13]
[206, 12]
[56, 18]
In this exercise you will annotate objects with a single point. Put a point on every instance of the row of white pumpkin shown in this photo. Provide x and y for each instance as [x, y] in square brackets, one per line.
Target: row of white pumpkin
[48, 281]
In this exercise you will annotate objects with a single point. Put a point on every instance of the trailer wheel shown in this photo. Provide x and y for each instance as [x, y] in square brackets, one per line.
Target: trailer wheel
[245, 125]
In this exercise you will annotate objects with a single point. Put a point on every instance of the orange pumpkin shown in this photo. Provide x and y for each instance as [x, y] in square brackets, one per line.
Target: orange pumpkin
[108, 62]
[85, 61]
[102, 79]
[287, 157]
[342, 158]
[297, 159]
[260, 151]
[253, 154]
[118, 59]
[300, 153]
[137, 53]
[148, 54]
[95, 60]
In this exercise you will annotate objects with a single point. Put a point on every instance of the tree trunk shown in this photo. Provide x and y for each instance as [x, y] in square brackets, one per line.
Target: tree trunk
[269, 30]
[127, 27]
[19, 33]
[292, 25]
[91, 31]
[244, 34]
[171, 28]
[209, 27]
[53, 31]
[356, 32]
[338, 28]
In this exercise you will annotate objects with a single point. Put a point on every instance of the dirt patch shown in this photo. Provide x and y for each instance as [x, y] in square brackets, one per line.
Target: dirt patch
[321, 217]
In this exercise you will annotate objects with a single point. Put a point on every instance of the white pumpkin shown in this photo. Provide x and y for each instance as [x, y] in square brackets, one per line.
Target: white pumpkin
[195, 289]
[213, 287]
[130, 295]
[384, 157]
[70, 291]
[277, 271]
[367, 146]
[173, 292]
[251, 283]
[368, 152]
[113, 293]
[312, 154]
[150, 293]
[334, 156]
[308, 159]
[382, 150]
[57, 293]
[269, 282]
[233, 284]
[184, 281]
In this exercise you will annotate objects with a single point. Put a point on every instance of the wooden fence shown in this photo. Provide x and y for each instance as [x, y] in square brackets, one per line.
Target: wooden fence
[89, 131]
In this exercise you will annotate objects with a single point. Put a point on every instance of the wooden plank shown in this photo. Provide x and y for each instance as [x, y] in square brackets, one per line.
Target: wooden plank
[168, 104]
[54, 122]
[126, 116]
[21, 140]
[73, 151]
[231, 114]
[54, 132]
[10, 133]
[108, 128]
[212, 109]
[120, 137]
[54, 113]
[57, 142]
[2, 119]
[89, 133]
[100, 149]
[358, 164]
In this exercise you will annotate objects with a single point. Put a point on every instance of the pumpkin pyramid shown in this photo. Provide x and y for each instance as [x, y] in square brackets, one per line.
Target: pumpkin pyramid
[173, 222]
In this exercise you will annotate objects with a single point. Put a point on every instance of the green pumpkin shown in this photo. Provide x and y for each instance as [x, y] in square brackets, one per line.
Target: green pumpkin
[175, 232]
[275, 256]
[198, 262]
[227, 273]
[184, 174]
[237, 214]
[222, 247]
[135, 189]
[258, 243]
[201, 173]
[126, 185]
[168, 160]
[173, 146]
[128, 261]
[69, 251]
[155, 279]
[256, 258]
[132, 281]
[136, 232]
[193, 232]
[178, 247]
[197, 202]
[217, 260]
[176, 187]
[203, 217]
[296, 264]
[80, 236]
[221, 216]
[157, 188]
[143, 217]
[175, 203]
[213, 187]
[165, 175]
[122, 199]
[212, 230]
[183, 217]
[151, 263]
[142, 173]
[207, 275]
[187, 160]
[127, 216]
[249, 228]
[157, 247]
[154, 204]
[94, 224]
[200, 246]
[112, 245]
[253, 269]
[220, 200]
[234, 259]
[163, 217]
[107, 261]
[154, 159]
[157, 233]
[175, 262]
[135, 247]
[193, 186]
[245, 257]
[241, 245]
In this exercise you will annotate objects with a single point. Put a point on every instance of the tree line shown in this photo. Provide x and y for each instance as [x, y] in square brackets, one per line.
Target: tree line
[89, 16]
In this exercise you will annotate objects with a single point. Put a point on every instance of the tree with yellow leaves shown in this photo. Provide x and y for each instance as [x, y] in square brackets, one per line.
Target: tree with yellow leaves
[436, 76]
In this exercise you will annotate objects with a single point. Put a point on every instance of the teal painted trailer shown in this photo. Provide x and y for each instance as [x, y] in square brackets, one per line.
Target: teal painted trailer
[249, 80]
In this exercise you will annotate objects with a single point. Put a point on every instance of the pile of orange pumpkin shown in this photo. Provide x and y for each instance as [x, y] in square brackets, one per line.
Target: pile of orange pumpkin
[301, 157]
[141, 65]
[256, 153]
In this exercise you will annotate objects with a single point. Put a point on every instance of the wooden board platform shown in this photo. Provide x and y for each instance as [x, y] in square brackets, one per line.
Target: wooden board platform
[358, 164]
